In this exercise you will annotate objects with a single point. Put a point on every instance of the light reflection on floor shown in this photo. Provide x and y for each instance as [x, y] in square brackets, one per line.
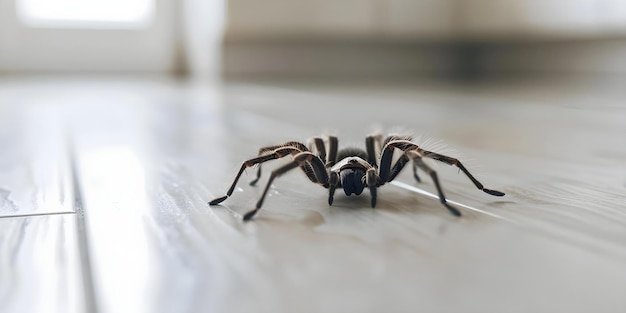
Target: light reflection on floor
[117, 197]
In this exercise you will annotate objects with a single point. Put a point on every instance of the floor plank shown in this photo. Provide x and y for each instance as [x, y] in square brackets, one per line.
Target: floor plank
[40, 267]
[35, 176]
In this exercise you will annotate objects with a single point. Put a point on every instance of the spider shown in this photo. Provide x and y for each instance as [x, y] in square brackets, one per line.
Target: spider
[352, 169]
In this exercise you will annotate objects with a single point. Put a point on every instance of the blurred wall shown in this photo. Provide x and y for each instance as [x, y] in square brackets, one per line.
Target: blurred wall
[440, 38]
[25, 49]
[425, 19]
[329, 38]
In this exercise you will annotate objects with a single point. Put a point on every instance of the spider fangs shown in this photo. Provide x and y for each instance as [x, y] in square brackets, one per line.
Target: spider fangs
[352, 169]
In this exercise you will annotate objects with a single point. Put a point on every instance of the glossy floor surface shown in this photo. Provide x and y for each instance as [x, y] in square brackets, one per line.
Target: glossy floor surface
[104, 186]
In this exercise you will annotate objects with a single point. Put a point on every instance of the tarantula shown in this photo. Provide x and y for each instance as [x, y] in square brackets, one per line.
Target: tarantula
[352, 169]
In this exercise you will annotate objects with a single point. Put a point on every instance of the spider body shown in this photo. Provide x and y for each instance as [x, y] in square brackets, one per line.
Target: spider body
[351, 174]
[351, 169]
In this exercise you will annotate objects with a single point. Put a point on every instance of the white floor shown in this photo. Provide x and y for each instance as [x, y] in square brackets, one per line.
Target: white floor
[104, 184]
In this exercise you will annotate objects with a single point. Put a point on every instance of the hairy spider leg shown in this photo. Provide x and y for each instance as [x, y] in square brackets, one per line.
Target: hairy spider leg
[371, 179]
[374, 147]
[320, 147]
[385, 172]
[455, 162]
[411, 150]
[402, 161]
[298, 161]
[370, 147]
[391, 138]
[417, 159]
[406, 145]
[333, 143]
[278, 153]
[306, 168]
[397, 168]
[333, 181]
[272, 149]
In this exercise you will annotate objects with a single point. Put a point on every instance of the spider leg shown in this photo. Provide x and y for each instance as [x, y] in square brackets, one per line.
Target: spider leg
[298, 161]
[417, 178]
[396, 137]
[272, 149]
[455, 162]
[310, 172]
[370, 145]
[378, 139]
[262, 151]
[278, 153]
[333, 181]
[371, 180]
[316, 167]
[385, 172]
[258, 176]
[397, 168]
[388, 173]
[333, 143]
[406, 146]
[277, 172]
[320, 147]
[417, 159]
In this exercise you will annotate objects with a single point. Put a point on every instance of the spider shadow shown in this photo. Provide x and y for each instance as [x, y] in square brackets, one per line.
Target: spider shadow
[351, 202]
[362, 203]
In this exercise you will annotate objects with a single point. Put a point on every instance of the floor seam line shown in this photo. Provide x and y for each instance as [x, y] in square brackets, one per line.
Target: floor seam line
[89, 293]
[38, 214]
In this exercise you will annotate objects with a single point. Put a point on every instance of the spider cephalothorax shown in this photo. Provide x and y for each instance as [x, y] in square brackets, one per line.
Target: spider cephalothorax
[351, 169]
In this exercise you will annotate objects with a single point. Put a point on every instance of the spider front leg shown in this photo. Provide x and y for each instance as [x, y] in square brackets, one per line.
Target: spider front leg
[385, 172]
[373, 144]
[278, 153]
[300, 160]
[371, 180]
[294, 145]
[333, 181]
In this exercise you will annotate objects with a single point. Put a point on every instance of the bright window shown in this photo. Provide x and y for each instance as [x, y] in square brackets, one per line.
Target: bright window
[86, 13]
